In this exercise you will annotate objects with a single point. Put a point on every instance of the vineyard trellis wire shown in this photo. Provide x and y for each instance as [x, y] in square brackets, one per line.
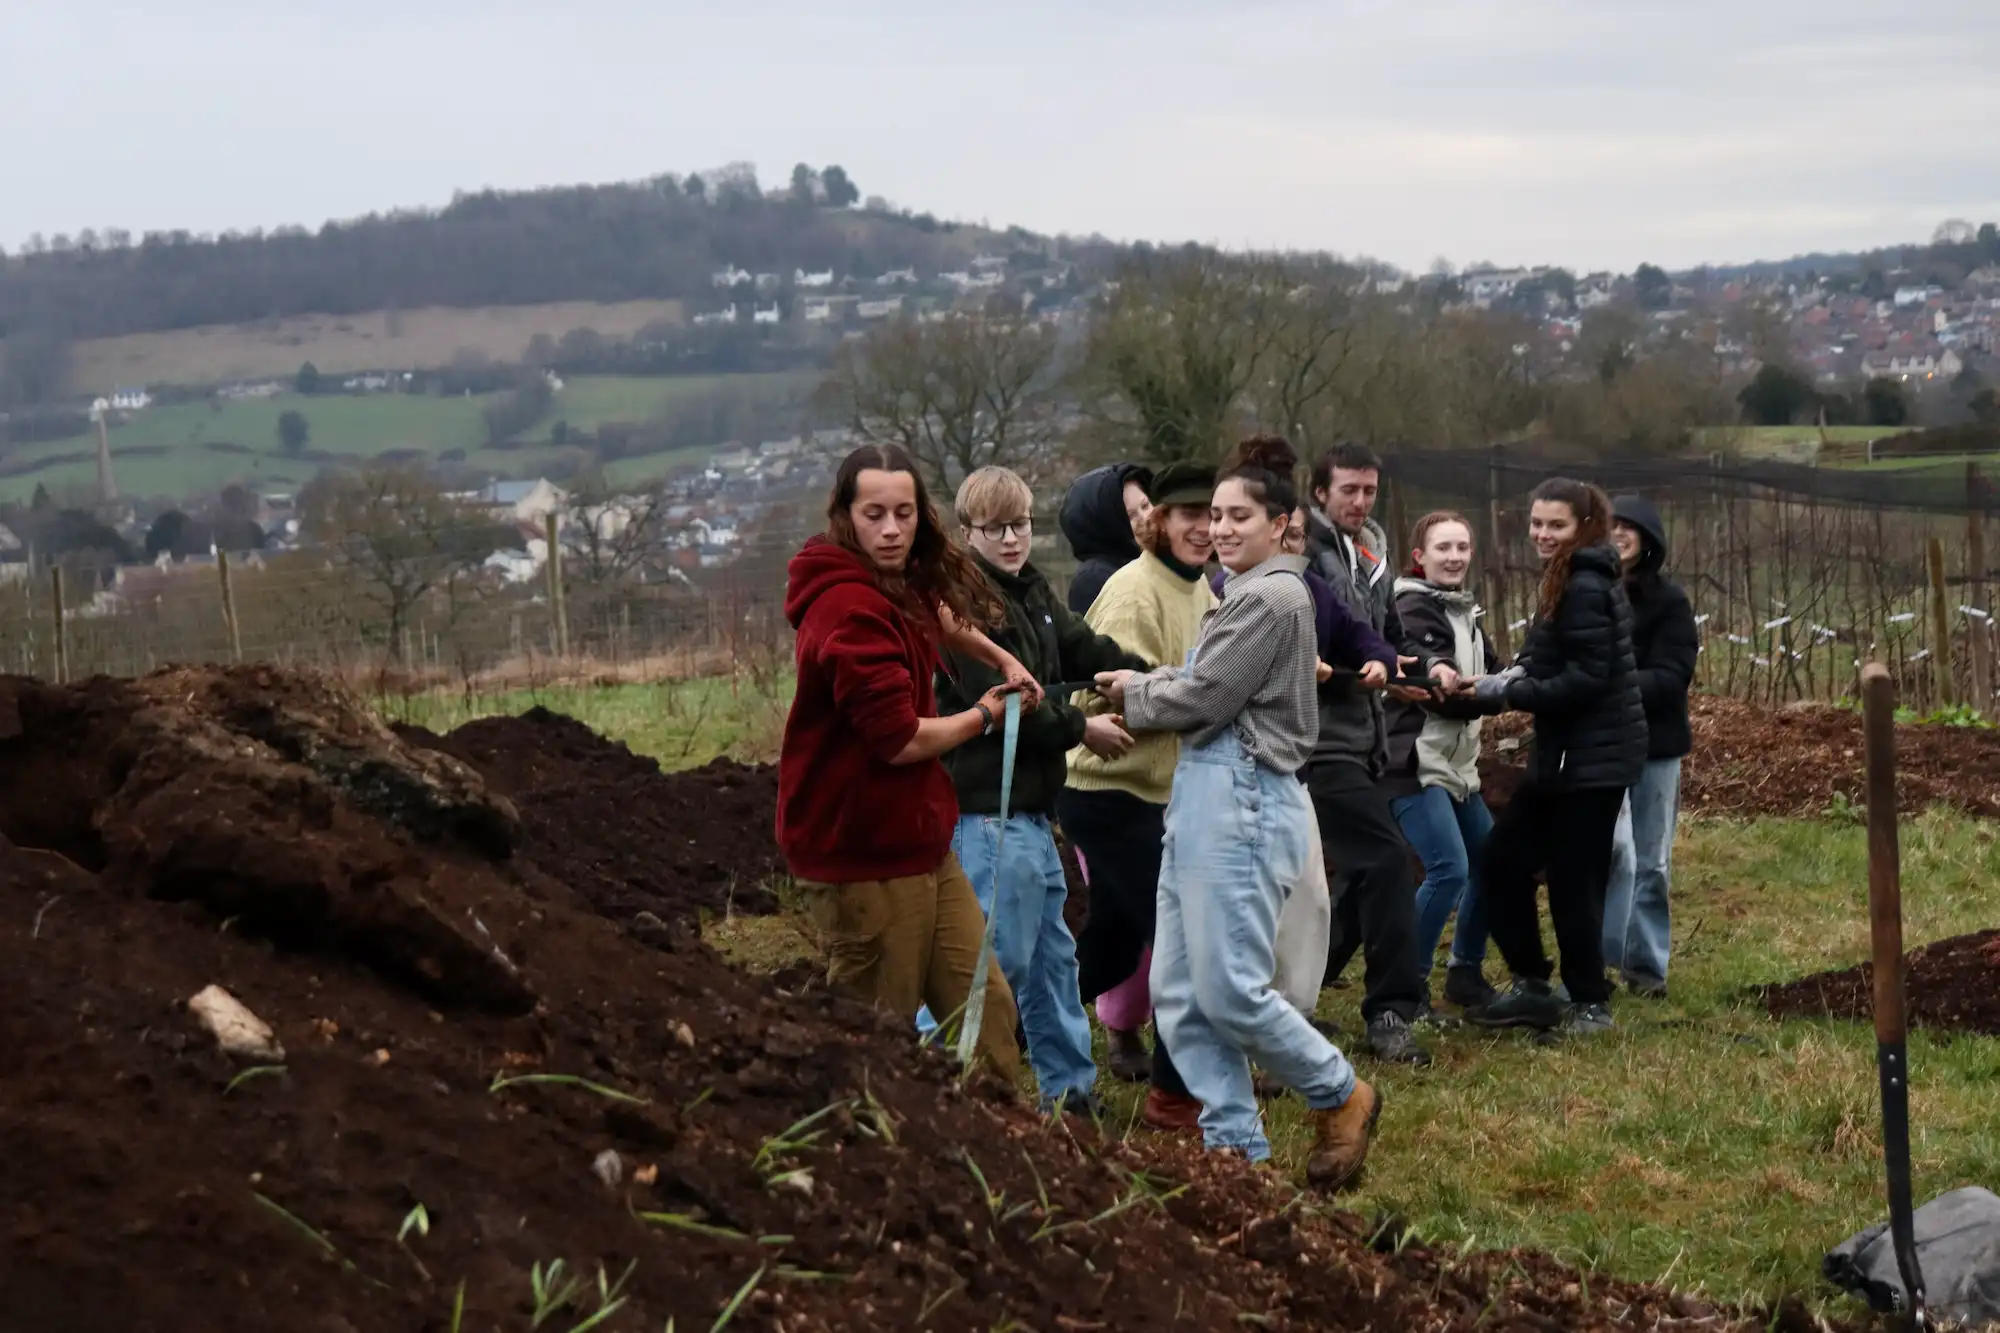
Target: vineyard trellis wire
[1798, 574]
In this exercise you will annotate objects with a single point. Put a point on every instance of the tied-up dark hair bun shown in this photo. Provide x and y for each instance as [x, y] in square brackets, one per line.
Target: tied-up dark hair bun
[1266, 465]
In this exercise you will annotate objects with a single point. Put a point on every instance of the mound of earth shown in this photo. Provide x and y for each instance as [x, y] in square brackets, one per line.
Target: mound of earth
[633, 838]
[1950, 986]
[488, 1068]
[1794, 762]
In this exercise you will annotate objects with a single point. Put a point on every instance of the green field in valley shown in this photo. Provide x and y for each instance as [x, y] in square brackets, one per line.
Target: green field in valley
[197, 448]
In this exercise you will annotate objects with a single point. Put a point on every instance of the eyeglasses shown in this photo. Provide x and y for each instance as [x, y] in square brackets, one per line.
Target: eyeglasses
[999, 532]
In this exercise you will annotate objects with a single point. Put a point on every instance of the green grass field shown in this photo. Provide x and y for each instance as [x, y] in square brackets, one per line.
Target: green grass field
[1702, 1145]
[362, 427]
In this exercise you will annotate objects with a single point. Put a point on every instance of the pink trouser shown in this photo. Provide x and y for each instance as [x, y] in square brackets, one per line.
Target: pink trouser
[1127, 1006]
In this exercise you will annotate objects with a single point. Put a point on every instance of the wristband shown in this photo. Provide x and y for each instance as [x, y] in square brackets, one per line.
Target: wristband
[986, 714]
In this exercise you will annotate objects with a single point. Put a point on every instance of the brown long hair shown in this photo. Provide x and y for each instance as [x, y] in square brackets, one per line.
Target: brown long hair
[1421, 533]
[938, 573]
[1592, 508]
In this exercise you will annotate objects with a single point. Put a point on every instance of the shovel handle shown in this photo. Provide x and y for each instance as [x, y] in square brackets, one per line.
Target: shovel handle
[1885, 873]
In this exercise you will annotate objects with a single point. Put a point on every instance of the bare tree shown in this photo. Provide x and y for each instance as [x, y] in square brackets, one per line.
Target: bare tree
[404, 538]
[613, 537]
[959, 393]
[1175, 346]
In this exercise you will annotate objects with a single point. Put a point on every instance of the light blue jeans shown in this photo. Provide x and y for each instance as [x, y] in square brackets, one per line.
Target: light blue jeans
[1636, 933]
[1237, 843]
[1449, 836]
[1033, 947]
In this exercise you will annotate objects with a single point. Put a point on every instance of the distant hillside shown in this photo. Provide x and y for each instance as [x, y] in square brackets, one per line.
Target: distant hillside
[1954, 251]
[655, 240]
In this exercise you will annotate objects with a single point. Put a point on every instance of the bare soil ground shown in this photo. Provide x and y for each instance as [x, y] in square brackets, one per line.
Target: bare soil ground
[493, 1003]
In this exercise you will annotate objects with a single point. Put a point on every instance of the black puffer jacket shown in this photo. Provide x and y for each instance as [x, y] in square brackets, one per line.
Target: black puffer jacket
[1582, 684]
[1100, 536]
[1665, 641]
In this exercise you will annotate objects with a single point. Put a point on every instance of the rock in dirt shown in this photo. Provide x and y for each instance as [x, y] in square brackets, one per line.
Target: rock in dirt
[236, 1030]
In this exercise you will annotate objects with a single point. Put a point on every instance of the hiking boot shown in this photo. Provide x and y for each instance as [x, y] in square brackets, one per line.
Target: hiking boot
[1130, 1061]
[1427, 1017]
[1527, 1004]
[1084, 1105]
[1466, 986]
[1646, 988]
[1390, 1041]
[1171, 1113]
[1340, 1139]
[1586, 1020]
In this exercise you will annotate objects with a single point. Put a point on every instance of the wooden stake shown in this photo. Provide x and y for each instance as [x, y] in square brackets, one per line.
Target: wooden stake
[1940, 629]
[1975, 569]
[229, 607]
[62, 631]
[1496, 566]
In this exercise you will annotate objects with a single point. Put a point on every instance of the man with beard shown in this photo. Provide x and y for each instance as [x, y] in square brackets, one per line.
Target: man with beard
[1367, 857]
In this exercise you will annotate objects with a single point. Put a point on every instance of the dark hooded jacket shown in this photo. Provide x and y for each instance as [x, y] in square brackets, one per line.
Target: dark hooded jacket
[1582, 684]
[1099, 534]
[1664, 639]
[1055, 646]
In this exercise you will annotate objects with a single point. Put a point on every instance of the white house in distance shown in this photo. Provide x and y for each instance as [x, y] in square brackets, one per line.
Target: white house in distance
[122, 400]
[879, 309]
[763, 316]
[813, 280]
[524, 501]
[729, 277]
[1926, 364]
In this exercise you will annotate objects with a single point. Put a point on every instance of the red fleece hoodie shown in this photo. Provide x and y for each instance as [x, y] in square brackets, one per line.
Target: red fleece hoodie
[846, 813]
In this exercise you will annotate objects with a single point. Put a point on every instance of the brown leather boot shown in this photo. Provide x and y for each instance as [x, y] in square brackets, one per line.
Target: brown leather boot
[1171, 1113]
[1130, 1061]
[1340, 1139]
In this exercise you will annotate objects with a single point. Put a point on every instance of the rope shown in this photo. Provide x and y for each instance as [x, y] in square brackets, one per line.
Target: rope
[975, 1002]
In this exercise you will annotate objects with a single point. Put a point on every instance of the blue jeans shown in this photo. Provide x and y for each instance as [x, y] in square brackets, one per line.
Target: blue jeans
[1238, 839]
[1031, 944]
[1450, 836]
[1636, 933]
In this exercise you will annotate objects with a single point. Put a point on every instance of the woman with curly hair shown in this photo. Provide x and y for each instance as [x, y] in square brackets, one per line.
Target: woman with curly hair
[866, 810]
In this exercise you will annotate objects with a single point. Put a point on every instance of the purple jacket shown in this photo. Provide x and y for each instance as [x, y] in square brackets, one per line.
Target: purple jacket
[1343, 639]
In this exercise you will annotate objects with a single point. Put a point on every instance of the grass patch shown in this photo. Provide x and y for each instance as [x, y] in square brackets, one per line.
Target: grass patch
[1702, 1143]
[683, 723]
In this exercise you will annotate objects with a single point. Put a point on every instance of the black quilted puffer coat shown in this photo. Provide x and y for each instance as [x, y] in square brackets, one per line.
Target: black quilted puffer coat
[1582, 683]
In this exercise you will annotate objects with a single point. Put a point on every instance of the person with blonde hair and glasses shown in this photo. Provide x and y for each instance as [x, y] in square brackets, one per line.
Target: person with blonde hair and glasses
[866, 811]
[1014, 867]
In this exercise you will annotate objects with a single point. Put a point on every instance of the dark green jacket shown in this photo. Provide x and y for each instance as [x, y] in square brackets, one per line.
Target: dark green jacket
[1055, 646]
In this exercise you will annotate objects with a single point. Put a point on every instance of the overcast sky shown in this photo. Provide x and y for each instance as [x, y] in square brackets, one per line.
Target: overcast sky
[1593, 133]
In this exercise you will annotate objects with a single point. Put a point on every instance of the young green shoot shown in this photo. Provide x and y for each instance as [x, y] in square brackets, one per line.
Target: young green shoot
[553, 1288]
[736, 1301]
[687, 1223]
[298, 1224]
[253, 1072]
[418, 1219]
[458, 1308]
[501, 1081]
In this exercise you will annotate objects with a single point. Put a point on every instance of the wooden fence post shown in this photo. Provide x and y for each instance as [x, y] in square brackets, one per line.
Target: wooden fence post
[557, 608]
[1940, 629]
[1496, 564]
[229, 607]
[62, 631]
[1975, 569]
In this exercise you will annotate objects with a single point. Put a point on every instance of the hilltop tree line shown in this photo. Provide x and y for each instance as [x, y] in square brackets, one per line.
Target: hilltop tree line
[658, 239]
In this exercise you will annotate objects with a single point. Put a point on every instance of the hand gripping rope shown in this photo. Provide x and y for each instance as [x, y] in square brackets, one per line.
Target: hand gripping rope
[975, 1001]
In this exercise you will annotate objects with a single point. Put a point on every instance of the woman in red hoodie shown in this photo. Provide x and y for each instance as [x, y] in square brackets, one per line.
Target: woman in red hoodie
[865, 810]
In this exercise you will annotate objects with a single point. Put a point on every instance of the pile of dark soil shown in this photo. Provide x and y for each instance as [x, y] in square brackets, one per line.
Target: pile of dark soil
[441, 976]
[1795, 761]
[1950, 986]
[630, 837]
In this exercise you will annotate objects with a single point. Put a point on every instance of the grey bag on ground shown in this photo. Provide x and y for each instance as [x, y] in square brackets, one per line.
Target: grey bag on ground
[1958, 1252]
